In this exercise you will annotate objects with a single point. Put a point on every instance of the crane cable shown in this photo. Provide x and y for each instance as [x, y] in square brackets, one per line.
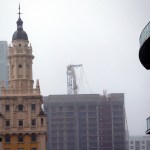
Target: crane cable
[80, 80]
[83, 75]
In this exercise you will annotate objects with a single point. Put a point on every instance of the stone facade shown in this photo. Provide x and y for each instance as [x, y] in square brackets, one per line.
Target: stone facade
[23, 124]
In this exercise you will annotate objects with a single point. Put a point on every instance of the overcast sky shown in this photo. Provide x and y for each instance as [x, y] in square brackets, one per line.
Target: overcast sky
[102, 35]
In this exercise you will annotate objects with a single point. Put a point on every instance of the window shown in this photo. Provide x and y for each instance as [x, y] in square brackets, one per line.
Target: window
[131, 147]
[20, 107]
[33, 122]
[131, 142]
[33, 148]
[148, 143]
[20, 138]
[82, 108]
[137, 143]
[19, 45]
[20, 148]
[7, 123]
[33, 107]
[7, 148]
[20, 123]
[41, 121]
[7, 107]
[7, 138]
[33, 137]
[20, 66]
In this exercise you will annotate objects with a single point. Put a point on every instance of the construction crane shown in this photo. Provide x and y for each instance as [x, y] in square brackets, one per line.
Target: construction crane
[72, 87]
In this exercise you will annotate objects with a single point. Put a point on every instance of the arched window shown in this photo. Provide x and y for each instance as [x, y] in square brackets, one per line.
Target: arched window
[20, 107]
[7, 138]
[20, 70]
[20, 138]
[33, 137]
[41, 121]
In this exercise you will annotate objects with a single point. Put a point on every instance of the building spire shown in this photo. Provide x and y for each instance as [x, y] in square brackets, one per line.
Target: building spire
[19, 22]
[20, 34]
[19, 11]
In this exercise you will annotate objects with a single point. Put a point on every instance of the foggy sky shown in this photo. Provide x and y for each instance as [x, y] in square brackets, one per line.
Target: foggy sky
[103, 35]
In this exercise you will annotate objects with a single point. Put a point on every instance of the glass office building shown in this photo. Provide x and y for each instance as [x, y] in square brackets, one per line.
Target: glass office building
[3, 62]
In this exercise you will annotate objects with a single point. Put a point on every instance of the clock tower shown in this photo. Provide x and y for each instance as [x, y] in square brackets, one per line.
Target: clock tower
[23, 123]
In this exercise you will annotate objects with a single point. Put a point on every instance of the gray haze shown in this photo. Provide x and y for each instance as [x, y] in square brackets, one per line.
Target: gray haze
[103, 35]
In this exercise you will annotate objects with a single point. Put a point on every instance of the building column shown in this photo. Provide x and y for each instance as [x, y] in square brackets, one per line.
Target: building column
[42, 142]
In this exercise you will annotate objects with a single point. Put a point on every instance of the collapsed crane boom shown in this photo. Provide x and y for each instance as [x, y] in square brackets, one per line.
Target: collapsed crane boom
[72, 87]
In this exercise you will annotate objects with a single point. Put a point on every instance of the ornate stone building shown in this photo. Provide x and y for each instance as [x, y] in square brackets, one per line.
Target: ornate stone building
[23, 124]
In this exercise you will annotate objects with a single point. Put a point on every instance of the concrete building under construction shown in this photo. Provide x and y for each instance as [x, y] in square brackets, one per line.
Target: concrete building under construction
[86, 122]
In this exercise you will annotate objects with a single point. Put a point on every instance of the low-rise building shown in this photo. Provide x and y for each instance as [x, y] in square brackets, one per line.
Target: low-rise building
[139, 143]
